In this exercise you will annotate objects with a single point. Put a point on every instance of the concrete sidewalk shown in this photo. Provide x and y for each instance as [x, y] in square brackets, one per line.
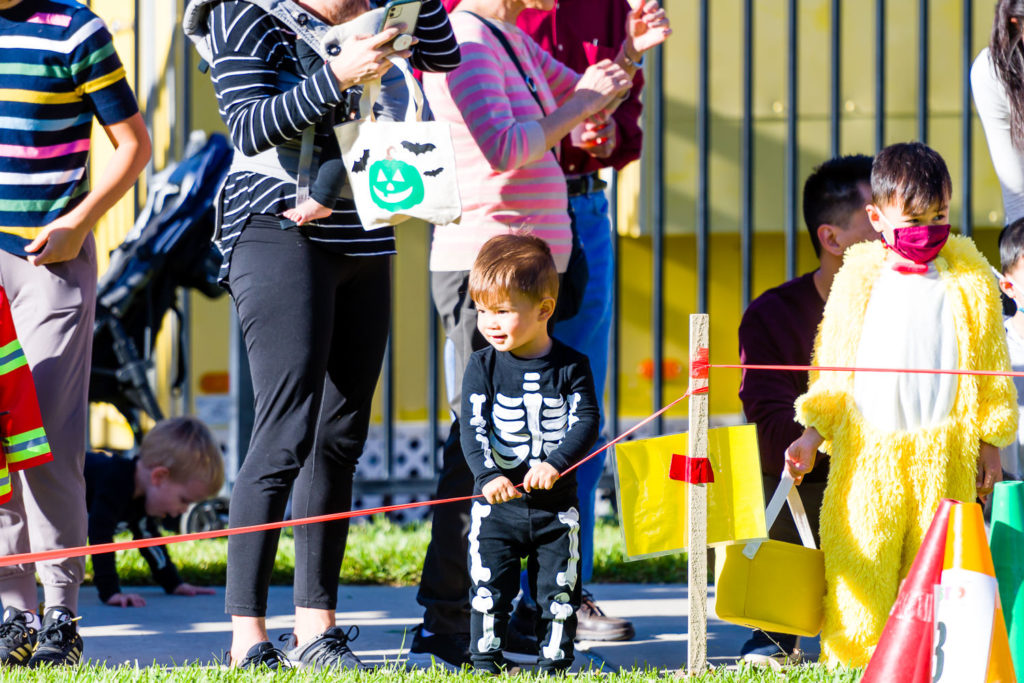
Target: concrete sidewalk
[173, 630]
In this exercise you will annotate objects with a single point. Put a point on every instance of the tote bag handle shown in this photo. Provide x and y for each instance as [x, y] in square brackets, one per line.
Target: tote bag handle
[786, 492]
[371, 91]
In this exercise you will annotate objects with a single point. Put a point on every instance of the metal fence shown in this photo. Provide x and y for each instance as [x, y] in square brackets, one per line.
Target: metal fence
[653, 177]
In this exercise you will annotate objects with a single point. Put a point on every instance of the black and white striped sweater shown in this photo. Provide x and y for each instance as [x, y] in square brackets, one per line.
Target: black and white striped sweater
[266, 101]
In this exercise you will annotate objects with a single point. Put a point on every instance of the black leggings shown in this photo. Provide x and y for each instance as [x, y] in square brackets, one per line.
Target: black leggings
[315, 325]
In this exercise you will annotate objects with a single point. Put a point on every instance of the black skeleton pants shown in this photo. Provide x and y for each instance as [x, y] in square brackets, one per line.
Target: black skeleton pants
[499, 537]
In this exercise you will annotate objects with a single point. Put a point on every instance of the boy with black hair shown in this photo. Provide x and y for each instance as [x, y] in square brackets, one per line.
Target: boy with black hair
[530, 415]
[778, 328]
[1011, 259]
[900, 442]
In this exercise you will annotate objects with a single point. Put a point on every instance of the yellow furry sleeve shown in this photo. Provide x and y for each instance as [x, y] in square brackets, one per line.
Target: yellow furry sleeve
[829, 397]
[983, 331]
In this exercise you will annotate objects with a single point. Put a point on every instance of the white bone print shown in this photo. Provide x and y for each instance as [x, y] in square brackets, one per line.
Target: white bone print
[528, 426]
[480, 425]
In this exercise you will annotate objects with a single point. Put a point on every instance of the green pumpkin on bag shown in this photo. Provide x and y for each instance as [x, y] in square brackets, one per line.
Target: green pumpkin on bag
[395, 185]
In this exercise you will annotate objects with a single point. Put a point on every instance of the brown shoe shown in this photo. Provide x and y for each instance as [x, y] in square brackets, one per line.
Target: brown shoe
[593, 624]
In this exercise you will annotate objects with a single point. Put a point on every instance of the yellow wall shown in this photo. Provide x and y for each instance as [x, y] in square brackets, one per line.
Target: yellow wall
[210, 323]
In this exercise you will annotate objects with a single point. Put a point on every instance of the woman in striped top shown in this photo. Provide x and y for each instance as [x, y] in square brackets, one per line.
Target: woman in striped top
[313, 302]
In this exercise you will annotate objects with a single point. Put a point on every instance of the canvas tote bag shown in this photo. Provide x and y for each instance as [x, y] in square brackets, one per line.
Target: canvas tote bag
[400, 169]
[772, 585]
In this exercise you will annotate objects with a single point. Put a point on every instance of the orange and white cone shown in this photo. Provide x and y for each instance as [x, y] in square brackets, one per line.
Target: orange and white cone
[971, 645]
[904, 651]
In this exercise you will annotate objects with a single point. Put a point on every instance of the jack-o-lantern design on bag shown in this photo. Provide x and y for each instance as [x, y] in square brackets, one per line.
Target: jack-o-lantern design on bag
[394, 184]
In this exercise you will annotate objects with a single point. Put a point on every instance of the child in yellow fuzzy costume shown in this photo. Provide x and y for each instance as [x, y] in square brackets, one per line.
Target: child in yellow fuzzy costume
[900, 442]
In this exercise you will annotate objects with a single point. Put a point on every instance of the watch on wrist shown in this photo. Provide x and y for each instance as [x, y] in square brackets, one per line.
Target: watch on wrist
[630, 62]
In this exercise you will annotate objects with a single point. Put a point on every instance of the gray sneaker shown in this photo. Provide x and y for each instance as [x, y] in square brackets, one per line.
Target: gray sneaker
[329, 650]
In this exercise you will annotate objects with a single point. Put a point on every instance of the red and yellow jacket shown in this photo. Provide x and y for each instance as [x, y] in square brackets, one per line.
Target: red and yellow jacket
[21, 426]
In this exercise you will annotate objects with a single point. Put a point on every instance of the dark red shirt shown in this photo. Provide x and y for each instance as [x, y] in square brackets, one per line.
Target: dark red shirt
[580, 33]
[778, 328]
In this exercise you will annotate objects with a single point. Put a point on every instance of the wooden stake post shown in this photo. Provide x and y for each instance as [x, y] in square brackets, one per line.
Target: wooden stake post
[697, 515]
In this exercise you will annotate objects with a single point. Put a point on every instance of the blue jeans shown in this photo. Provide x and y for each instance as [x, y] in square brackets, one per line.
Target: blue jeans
[588, 332]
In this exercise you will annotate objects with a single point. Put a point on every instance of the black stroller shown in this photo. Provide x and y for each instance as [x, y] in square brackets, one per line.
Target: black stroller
[168, 247]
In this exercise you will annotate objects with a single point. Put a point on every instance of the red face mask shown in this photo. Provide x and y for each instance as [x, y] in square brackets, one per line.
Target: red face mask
[919, 243]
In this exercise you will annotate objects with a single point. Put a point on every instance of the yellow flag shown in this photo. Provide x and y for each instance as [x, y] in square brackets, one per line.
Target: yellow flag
[652, 507]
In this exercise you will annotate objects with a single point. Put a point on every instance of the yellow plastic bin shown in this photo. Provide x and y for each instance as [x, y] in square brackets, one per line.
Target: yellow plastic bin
[771, 585]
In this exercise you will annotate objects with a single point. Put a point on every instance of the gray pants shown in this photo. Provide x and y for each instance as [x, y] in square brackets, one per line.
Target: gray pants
[444, 583]
[53, 308]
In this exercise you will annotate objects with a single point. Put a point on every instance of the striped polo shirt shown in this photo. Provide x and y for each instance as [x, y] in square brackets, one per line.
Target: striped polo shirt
[58, 69]
[266, 101]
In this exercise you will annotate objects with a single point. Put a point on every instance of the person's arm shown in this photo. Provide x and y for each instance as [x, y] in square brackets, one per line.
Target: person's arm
[103, 520]
[583, 419]
[62, 239]
[477, 91]
[248, 51]
[159, 560]
[998, 410]
[437, 49]
[94, 67]
[768, 395]
[474, 425]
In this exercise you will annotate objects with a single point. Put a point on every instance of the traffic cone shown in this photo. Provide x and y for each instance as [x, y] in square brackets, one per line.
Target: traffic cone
[904, 652]
[1005, 539]
[971, 644]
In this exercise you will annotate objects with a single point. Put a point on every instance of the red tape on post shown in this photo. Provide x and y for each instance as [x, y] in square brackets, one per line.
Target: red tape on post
[691, 470]
[700, 364]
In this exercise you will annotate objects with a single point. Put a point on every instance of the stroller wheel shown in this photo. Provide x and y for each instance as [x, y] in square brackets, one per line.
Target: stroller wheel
[207, 515]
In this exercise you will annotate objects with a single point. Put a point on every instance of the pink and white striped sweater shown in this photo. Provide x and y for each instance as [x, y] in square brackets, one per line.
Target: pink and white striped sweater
[508, 179]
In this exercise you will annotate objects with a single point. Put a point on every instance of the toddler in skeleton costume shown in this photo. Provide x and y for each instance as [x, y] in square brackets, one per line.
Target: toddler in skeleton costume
[529, 413]
[900, 442]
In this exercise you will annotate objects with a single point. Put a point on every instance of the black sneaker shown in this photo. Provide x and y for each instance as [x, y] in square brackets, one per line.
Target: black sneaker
[773, 650]
[17, 638]
[329, 650]
[594, 624]
[264, 654]
[58, 642]
[447, 650]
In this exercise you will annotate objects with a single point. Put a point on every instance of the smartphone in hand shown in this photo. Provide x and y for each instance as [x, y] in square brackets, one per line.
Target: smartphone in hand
[402, 13]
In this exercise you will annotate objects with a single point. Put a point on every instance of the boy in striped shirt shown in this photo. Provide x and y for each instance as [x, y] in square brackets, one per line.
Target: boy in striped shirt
[58, 71]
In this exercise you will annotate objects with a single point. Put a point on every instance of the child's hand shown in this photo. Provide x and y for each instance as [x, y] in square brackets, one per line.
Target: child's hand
[500, 490]
[990, 470]
[189, 589]
[540, 476]
[126, 600]
[801, 454]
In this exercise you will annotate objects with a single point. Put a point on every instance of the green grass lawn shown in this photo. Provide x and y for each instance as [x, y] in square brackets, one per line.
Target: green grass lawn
[802, 674]
[382, 553]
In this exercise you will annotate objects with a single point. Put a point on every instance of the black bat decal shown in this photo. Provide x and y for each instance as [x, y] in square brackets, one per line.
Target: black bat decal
[360, 165]
[433, 174]
[418, 149]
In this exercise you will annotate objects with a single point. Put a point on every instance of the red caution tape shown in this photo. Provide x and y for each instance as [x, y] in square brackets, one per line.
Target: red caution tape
[81, 551]
[691, 470]
[699, 364]
[832, 368]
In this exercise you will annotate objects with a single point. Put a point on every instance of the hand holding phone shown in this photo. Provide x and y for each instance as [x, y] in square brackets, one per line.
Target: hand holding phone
[402, 14]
